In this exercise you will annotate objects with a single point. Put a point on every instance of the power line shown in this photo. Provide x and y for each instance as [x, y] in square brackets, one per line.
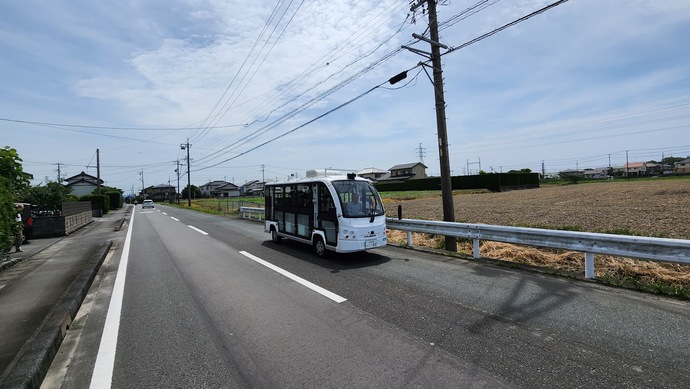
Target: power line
[296, 128]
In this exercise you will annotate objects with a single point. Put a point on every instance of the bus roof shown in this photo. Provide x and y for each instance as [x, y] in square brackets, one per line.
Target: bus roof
[318, 179]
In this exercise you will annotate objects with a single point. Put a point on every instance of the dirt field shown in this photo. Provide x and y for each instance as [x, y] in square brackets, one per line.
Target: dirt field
[659, 208]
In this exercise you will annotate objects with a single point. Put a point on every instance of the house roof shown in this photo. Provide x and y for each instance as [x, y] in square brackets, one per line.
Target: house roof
[635, 165]
[217, 183]
[371, 170]
[227, 186]
[82, 177]
[407, 166]
[161, 186]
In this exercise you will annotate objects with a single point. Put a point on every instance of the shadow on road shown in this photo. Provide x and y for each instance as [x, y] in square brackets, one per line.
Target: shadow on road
[336, 262]
[526, 296]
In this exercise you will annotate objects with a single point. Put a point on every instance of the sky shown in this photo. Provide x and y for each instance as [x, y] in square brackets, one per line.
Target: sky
[264, 90]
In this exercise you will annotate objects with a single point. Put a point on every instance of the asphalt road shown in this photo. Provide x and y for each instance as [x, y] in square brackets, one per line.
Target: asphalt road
[200, 308]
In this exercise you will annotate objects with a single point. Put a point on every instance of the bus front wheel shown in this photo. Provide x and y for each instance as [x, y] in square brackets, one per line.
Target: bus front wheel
[275, 237]
[319, 247]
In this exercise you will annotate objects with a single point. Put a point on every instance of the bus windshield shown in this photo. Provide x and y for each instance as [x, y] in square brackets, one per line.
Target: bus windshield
[358, 198]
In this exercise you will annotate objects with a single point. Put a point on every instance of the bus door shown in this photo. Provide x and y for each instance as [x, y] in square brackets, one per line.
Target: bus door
[326, 217]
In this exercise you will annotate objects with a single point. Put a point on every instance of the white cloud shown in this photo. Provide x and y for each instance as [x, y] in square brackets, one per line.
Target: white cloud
[167, 64]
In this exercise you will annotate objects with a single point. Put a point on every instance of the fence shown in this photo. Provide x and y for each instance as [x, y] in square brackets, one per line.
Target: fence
[249, 212]
[230, 206]
[589, 243]
[655, 249]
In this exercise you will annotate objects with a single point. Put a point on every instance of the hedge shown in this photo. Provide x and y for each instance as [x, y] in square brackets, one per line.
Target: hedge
[496, 182]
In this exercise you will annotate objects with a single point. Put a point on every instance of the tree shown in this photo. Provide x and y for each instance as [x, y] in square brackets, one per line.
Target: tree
[13, 182]
[49, 197]
[11, 168]
[114, 194]
[7, 214]
[525, 170]
[196, 192]
[671, 160]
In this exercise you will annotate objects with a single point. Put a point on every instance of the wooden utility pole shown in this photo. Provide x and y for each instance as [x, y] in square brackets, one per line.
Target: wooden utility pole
[446, 182]
[189, 176]
[98, 170]
[178, 181]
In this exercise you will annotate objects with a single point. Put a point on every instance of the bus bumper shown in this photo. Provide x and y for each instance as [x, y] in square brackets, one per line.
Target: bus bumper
[350, 246]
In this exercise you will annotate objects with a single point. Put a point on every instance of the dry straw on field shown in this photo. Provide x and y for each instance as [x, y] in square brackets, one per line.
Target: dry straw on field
[646, 208]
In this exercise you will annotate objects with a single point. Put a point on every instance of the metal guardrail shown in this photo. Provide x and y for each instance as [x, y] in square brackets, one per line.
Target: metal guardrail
[247, 212]
[589, 243]
[655, 249]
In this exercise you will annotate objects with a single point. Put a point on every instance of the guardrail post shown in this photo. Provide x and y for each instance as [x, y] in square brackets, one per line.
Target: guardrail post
[589, 265]
[409, 238]
[475, 248]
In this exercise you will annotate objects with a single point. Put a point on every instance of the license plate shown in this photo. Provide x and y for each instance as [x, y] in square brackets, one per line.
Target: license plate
[370, 244]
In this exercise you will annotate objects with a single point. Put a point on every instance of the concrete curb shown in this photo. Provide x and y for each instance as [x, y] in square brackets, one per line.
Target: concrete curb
[38, 354]
[9, 262]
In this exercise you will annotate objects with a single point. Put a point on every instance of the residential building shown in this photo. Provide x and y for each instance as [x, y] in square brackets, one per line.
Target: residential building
[599, 173]
[404, 172]
[160, 193]
[227, 190]
[82, 184]
[372, 173]
[210, 188]
[635, 169]
[682, 167]
[252, 188]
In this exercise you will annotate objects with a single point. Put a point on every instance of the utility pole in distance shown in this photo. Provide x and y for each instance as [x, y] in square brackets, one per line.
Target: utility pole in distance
[189, 176]
[59, 178]
[177, 171]
[446, 182]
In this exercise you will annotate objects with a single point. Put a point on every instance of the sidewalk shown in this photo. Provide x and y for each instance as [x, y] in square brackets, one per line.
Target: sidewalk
[41, 290]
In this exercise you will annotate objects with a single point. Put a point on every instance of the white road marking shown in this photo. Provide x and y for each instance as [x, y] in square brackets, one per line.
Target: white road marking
[198, 230]
[102, 376]
[314, 287]
[164, 213]
[175, 219]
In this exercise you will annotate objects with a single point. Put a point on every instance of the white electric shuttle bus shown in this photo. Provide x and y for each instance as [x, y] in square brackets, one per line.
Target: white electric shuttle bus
[340, 213]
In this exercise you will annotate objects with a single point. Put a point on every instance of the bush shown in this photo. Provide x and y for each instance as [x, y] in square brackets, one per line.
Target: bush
[101, 202]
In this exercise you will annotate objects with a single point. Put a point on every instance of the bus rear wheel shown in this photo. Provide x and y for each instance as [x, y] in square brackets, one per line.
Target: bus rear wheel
[320, 247]
[275, 237]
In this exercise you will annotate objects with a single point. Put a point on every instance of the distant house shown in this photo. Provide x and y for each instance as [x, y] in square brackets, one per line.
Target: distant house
[635, 169]
[599, 173]
[682, 167]
[372, 173]
[404, 172]
[160, 193]
[82, 184]
[252, 188]
[570, 173]
[210, 189]
[244, 189]
[227, 190]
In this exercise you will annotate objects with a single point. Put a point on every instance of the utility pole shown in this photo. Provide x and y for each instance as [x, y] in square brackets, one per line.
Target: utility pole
[178, 181]
[627, 166]
[543, 171]
[98, 170]
[59, 178]
[446, 182]
[189, 175]
[143, 188]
